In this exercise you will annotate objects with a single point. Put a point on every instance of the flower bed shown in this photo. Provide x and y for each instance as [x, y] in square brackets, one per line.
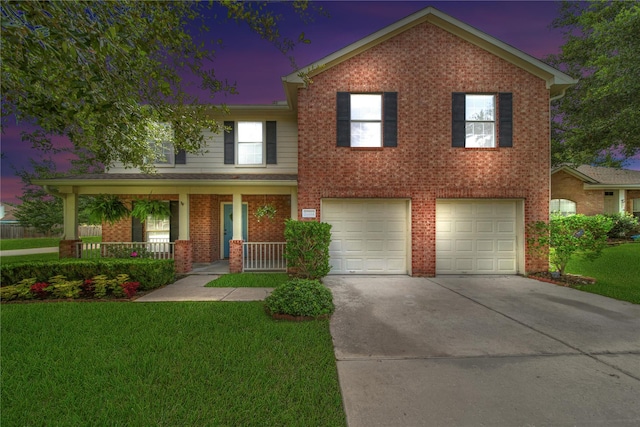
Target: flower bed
[568, 280]
[59, 287]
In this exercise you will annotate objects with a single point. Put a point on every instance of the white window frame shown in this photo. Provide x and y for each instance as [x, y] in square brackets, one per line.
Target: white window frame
[252, 140]
[474, 121]
[164, 149]
[565, 207]
[635, 207]
[366, 123]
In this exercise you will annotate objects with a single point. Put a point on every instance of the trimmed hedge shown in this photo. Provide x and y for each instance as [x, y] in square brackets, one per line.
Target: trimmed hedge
[149, 273]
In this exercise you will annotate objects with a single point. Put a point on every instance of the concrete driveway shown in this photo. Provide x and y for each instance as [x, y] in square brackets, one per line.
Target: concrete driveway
[483, 351]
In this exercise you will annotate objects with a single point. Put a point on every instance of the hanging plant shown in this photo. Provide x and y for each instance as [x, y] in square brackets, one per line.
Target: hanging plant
[145, 208]
[267, 210]
[107, 208]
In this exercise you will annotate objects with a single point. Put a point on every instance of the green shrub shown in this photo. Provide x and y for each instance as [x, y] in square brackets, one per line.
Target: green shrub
[301, 297]
[624, 225]
[125, 251]
[569, 235]
[63, 288]
[307, 250]
[22, 290]
[149, 273]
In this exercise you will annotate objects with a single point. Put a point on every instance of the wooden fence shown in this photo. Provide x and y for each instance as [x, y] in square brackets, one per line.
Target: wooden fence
[17, 231]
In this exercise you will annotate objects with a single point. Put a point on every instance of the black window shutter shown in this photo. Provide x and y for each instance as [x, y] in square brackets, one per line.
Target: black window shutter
[229, 143]
[181, 157]
[136, 228]
[174, 220]
[344, 119]
[390, 126]
[458, 129]
[272, 151]
[505, 121]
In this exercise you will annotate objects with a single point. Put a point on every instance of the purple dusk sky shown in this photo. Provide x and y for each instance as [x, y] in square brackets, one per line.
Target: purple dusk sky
[256, 66]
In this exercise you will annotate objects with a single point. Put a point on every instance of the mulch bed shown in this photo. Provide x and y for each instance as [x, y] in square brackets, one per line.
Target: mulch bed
[568, 280]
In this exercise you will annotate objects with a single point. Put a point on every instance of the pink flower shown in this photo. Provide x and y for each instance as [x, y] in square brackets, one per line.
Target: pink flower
[134, 254]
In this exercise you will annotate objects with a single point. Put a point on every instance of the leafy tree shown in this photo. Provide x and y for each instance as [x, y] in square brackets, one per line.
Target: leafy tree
[570, 235]
[104, 72]
[42, 210]
[598, 120]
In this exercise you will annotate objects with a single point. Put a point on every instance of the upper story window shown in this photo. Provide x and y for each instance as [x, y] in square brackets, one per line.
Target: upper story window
[367, 120]
[250, 143]
[161, 144]
[481, 120]
[480, 125]
[562, 207]
[164, 153]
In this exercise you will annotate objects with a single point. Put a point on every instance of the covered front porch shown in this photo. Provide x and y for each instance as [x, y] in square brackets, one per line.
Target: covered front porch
[202, 230]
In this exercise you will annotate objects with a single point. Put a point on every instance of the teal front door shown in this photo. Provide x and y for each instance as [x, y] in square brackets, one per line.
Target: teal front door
[228, 225]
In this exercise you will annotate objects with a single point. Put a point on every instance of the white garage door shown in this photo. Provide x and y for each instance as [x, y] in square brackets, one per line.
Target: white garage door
[367, 236]
[476, 237]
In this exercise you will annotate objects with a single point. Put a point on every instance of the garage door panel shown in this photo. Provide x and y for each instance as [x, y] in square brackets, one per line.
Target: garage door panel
[373, 236]
[476, 236]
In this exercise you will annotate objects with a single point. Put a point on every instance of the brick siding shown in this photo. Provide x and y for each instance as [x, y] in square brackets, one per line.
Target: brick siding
[567, 186]
[424, 65]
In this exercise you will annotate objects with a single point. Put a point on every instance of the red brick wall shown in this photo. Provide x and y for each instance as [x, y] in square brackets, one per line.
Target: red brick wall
[121, 231]
[265, 229]
[203, 229]
[567, 186]
[425, 65]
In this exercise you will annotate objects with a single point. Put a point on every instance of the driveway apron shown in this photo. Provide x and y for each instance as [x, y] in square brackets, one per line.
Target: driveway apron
[483, 351]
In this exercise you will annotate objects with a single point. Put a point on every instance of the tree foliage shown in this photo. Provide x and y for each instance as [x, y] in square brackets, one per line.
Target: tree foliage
[598, 120]
[43, 210]
[103, 72]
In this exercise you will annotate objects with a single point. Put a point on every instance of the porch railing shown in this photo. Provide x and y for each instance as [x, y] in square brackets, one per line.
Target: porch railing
[263, 256]
[156, 250]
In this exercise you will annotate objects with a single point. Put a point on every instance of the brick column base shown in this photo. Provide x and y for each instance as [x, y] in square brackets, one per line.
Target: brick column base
[183, 256]
[67, 248]
[235, 256]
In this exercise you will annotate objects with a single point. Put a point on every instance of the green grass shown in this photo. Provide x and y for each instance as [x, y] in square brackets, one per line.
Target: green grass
[249, 280]
[39, 242]
[617, 272]
[13, 244]
[136, 364]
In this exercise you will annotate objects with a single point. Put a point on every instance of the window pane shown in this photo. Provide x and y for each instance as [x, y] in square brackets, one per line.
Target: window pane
[366, 134]
[250, 153]
[480, 107]
[480, 135]
[366, 107]
[250, 132]
[563, 207]
[163, 152]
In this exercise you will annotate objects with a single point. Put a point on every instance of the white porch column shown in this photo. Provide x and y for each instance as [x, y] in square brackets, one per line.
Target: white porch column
[183, 216]
[237, 216]
[70, 214]
[622, 196]
[294, 203]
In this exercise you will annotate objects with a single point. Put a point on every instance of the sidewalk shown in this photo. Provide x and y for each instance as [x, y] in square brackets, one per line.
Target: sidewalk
[17, 252]
[191, 288]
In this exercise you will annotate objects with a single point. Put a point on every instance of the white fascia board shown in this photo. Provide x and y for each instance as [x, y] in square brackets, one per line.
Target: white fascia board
[611, 187]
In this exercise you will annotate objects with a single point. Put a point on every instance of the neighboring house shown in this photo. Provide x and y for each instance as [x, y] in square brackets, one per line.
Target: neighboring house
[592, 190]
[425, 145]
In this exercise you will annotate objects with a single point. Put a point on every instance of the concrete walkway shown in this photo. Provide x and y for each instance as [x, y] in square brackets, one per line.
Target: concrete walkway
[191, 288]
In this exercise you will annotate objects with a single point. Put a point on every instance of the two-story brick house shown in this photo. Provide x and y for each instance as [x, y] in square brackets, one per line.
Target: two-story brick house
[425, 145]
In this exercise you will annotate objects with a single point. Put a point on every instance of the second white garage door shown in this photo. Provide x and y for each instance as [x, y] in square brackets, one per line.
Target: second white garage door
[476, 237]
[367, 236]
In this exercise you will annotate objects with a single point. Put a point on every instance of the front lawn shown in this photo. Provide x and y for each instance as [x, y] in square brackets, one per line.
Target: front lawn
[37, 242]
[617, 272]
[186, 363]
[249, 280]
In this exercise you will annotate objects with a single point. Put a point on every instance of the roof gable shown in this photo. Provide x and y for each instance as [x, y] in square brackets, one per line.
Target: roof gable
[557, 82]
